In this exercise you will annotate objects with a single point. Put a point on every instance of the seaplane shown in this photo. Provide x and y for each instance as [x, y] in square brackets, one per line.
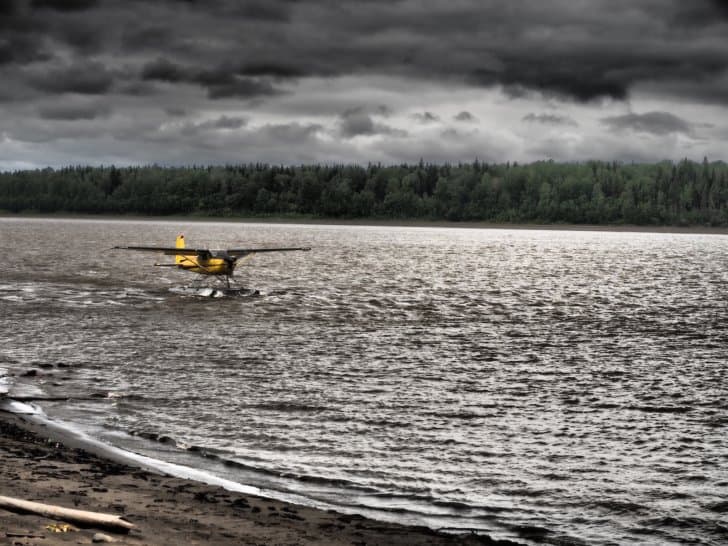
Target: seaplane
[218, 264]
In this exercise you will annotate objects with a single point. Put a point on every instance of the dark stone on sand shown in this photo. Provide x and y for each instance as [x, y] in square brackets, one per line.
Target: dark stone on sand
[240, 503]
[204, 496]
[30, 373]
[292, 516]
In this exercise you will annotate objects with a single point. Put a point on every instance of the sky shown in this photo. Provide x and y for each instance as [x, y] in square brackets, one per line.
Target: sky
[203, 82]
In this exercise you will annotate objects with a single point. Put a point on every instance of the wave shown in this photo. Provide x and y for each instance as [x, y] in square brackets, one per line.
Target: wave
[621, 507]
[288, 407]
[661, 409]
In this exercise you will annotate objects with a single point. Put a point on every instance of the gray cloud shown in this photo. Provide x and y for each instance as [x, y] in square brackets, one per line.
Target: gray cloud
[225, 122]
[426, 117]
[550, 119]
[291, 132]
[175, 112]
[71, 112]
[357, 122]
[222, 123]
[656, 123]
[465, 117]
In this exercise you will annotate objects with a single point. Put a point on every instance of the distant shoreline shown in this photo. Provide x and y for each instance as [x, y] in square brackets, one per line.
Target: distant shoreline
[696, 230]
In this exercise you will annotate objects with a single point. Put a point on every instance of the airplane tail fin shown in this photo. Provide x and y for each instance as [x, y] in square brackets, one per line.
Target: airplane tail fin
[179, 258]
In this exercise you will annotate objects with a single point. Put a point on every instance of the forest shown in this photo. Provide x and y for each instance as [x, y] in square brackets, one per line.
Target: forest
[680, 193]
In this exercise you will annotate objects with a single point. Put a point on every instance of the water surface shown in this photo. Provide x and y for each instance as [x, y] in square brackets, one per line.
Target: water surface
[559, 387]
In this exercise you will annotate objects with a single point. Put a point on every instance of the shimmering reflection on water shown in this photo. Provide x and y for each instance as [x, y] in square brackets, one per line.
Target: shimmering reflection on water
[548, 386]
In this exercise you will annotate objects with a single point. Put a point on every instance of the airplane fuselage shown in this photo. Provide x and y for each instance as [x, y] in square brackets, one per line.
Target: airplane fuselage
[205, 266]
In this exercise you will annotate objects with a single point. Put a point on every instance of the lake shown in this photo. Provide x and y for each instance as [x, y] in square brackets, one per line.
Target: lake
[551, 387]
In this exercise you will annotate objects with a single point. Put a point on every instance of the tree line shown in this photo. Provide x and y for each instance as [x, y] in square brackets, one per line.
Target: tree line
[593, 192]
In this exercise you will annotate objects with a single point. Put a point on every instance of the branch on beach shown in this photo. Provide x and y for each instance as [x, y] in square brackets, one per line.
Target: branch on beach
[82, 517]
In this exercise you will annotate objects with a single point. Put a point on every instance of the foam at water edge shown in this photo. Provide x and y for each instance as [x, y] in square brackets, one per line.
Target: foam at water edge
[5, 382]
[36, 416]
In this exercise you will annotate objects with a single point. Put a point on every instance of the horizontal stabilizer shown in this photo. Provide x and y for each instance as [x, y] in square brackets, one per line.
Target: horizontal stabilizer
[169, 251]
[164, 250]
[246, 251]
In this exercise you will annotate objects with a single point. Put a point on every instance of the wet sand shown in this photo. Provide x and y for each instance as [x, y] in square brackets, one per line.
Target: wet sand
[167, 510]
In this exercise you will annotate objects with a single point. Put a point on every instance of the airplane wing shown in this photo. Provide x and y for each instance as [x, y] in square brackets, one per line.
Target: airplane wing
[170, 251]
[246, 251]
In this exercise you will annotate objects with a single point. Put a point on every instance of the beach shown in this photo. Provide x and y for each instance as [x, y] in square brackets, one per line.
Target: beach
[192, 220]
[166, 510]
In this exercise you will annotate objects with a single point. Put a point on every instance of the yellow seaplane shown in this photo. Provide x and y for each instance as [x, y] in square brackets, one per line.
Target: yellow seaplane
[217, 263]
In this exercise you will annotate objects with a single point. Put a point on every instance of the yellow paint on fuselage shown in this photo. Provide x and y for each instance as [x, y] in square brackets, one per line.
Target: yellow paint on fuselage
[203, 266]
[209, 266]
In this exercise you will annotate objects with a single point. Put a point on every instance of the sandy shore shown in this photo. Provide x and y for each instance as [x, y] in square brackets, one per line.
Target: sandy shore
[164, 509]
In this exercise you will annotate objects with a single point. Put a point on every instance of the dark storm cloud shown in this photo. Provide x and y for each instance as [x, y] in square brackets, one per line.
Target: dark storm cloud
[153, 38]
[278, 70]
[81, 36]
[7, 8]
[221, 82]
[243, 88]
[21, 50]
[91, 78]
[165, 70]
[73, 112]
[557, 48]
[550, 119]
[266, 10]
[709, 12]
[65, 5]
[656, 123]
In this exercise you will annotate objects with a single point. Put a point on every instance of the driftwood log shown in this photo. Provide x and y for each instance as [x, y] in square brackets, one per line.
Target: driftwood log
[81, 517]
